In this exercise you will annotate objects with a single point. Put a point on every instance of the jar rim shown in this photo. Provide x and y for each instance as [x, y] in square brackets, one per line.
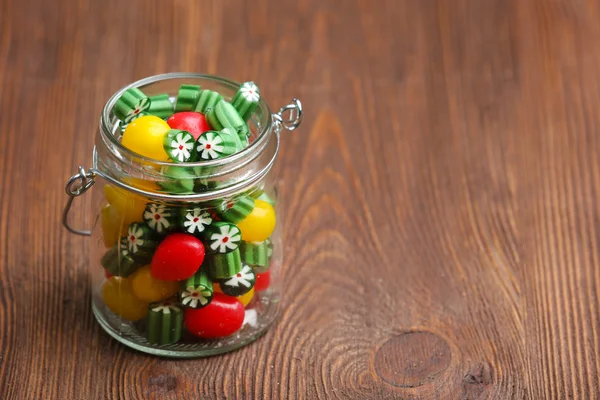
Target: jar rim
[118, 150]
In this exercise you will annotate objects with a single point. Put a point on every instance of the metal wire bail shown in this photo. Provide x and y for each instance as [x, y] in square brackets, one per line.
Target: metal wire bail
[76, 186]
[290, 116]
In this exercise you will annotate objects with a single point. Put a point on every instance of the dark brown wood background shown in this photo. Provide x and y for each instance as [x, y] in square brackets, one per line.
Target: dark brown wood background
[442, 217]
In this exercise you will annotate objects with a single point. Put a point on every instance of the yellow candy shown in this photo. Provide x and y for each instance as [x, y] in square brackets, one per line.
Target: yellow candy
[119, 298]
[130, 207]
[145, 136]
[259, 225]
[111, 225]
[148, 288]
[245, 299]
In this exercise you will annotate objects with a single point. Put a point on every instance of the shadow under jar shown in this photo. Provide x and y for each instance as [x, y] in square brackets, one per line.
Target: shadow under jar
[157, 221]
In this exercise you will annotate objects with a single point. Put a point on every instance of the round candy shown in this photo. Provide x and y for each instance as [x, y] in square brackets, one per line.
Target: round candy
[239, 283]
[119, 298]
[149, 289]
[145, 136]
[262, 281]
[193, 122]
[131, 103]
[111, 225]
[179, 145]
[197, 291]
[245, 299]
[128, 206]
[178, 257]
[259, 225]
[222, 317]
[161, 218]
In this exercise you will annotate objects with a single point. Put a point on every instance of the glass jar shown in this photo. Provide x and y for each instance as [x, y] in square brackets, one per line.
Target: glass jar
[155, 222]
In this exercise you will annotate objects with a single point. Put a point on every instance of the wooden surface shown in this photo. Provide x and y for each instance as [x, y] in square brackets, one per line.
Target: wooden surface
[442, 215]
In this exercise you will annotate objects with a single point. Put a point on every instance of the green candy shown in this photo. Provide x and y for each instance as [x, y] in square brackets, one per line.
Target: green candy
[197, 291]
[161, 106]
[239, 283]
[257, 254]
[160, 218]
[230, 132]
[224, 115]
[179, 146]
[140, 241]
[165, 323]
[132, 102]
[246, 100]
[221, 266]
[212, 145]
[119, 263]
[182, 180]
[195, 220]
[123, 125]
[222, 237]
[207, 100]
[236, 210]
[186, 97]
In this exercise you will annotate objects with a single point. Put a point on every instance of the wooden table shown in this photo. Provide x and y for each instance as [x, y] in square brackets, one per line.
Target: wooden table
[441, 226]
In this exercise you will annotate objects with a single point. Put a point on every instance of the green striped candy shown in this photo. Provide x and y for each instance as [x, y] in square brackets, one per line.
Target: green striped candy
[179, 146]
[231, 133]
[123, 125]
[246, 100]
[165, 322]
[212, 145]
[182, 180]
[221, 266]
[161, 106]
[222, 237]
[119, 264]
[130, 104]
[194, 221]
[239, 283]
[160, 218]
[224, 115]
[256, 254]
[186, 97]
[236, 210]
[207, 100]
[141, 242]
[197, 291]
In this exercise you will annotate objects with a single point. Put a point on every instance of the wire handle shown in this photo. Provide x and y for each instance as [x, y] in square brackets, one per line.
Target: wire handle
[290, 116]
[76, 186]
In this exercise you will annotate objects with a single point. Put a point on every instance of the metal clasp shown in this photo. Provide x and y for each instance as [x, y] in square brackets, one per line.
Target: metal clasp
[293, 118]
[76, 186]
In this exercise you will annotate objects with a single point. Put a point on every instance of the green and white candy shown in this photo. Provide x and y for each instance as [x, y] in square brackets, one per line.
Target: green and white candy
[182, 180]
[236, 210]
[165, 322]
[257, 254]
[221, 266]
[239, 283]
[123, 125]
[179, 145]
[130, 104]
[186, 97]
[160, 218]
[197, 291]
[246, 99]
[119, 263]
[224, 115]
[222, 237]
[212, 145]
[207, 100]
[161, 106]
[141, 242]
[195, 220]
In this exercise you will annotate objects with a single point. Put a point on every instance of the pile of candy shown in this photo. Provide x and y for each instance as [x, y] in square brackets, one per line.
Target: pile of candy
[185, 267]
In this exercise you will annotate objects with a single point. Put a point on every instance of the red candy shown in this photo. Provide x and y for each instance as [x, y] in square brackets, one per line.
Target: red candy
[193, 122]
[177, 257]
[222, 317]
[262, 281]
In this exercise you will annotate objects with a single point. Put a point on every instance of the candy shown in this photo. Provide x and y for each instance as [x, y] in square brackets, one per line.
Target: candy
[149, 289]
[160, 218]
[192, 122]
[186, 97]
[207, 100]
[259, 225]
[123, 125]
[246, 100]
[161, 106]
[197, 291]
[177, 257]
[145, 136]
[245, 299]
[118, 262]
[256, 254]
[220, 266]
[212, 145]
[231, 133]
[182, 180]
[119, 298]
[224, 115]
[141, 241]
[195, 220]
[222, 237]
[165, 323]
[222, 317]
[132, 102]
[179, 145]
[128, 206]
[111, 225]
[236, 210]
[239, 283]
[262, 281]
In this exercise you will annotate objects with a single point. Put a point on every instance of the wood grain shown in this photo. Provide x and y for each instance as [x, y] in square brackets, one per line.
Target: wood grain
[442, 224]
